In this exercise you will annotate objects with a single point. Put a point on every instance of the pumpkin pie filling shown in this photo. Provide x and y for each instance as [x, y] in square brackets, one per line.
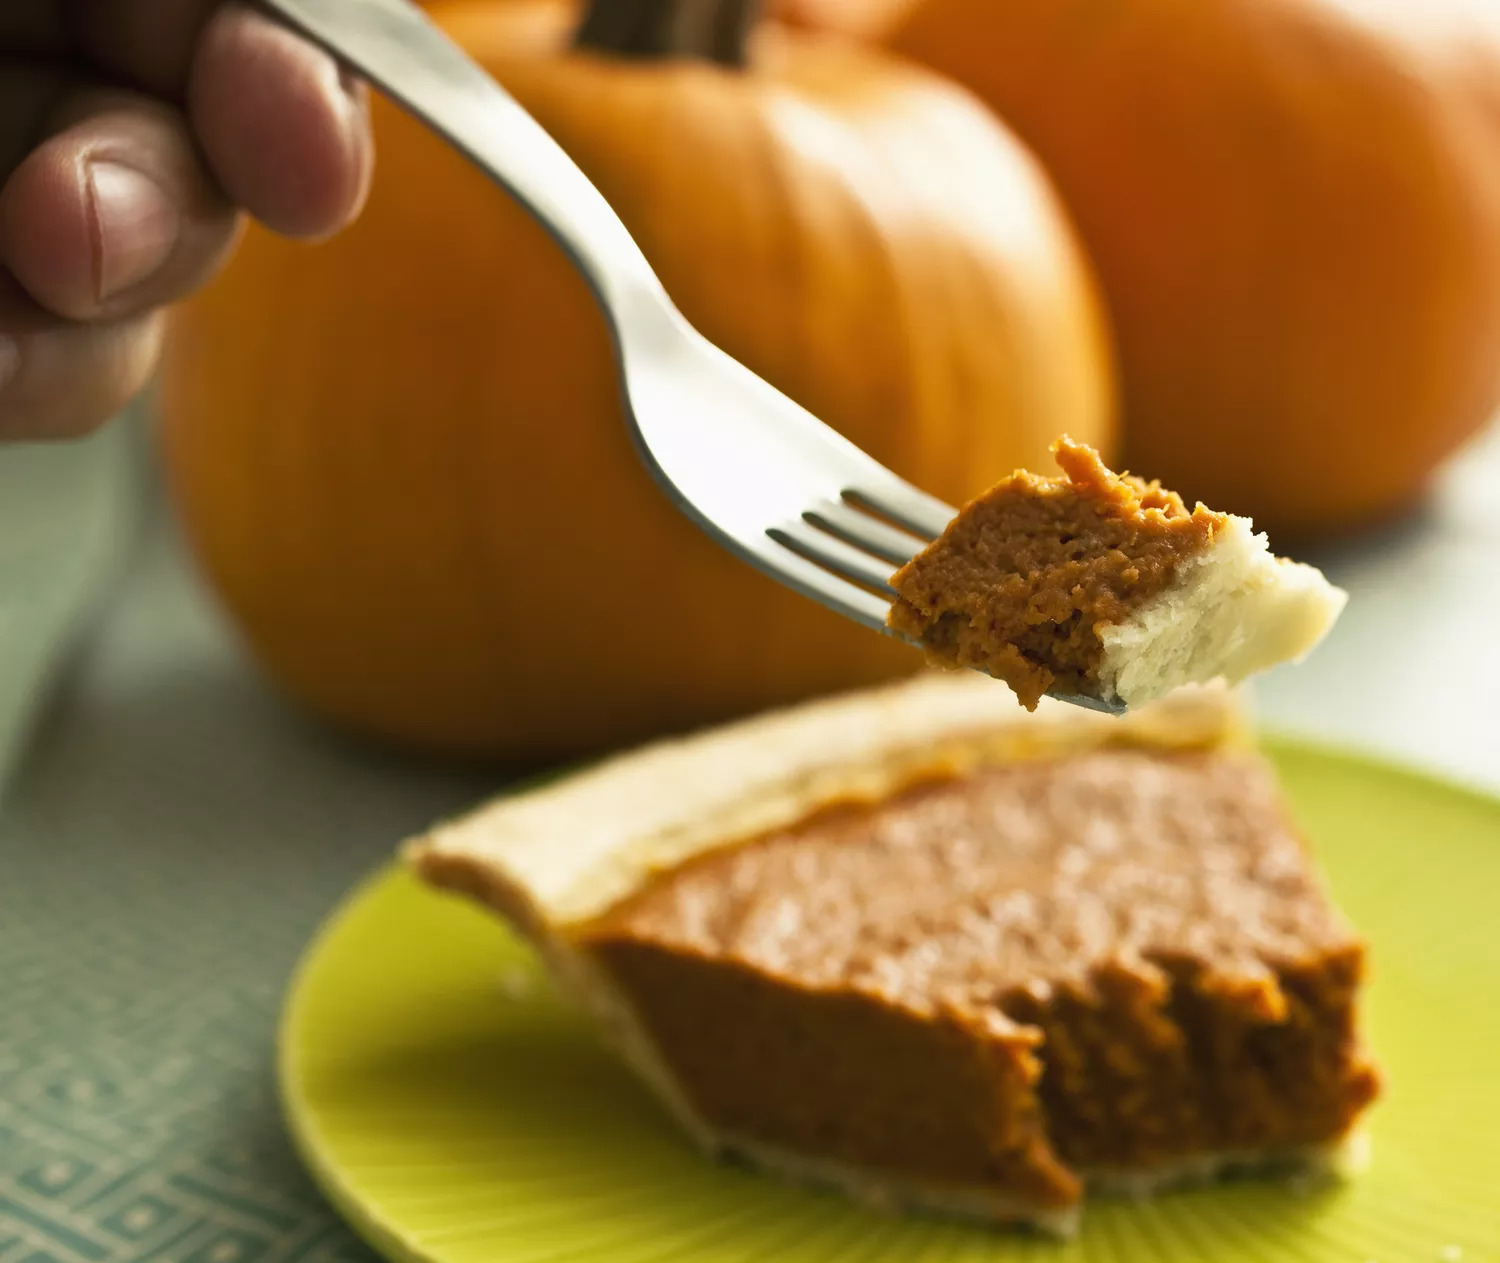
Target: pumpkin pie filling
[1016, 977]
[984, 968]
[1100, 585]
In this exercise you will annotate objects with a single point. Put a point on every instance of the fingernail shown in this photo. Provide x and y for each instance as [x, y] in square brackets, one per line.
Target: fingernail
[357, 102]
[357, 135]
[136, 226]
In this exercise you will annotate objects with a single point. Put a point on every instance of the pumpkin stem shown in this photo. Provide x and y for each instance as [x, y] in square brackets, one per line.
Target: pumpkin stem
[716, 30]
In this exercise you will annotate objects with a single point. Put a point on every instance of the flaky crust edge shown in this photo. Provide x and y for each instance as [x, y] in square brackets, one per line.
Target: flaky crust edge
[564, 852]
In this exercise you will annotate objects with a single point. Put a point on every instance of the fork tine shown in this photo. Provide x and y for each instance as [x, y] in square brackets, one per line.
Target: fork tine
[1090, 703]
[811, 579]
[847, 523]
[907, 506]
[833, 554]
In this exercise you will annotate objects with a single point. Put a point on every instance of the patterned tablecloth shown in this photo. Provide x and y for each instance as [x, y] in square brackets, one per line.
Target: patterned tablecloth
[172, 834]
[168, 843]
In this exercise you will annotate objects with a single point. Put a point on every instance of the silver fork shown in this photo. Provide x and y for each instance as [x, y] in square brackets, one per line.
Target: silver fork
[759, 473]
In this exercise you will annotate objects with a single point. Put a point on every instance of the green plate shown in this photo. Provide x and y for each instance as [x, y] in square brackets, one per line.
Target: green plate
[456, 1111]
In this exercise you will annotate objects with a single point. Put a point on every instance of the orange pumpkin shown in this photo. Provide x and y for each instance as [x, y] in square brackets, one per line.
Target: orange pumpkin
[400, 454]
[1294, 207]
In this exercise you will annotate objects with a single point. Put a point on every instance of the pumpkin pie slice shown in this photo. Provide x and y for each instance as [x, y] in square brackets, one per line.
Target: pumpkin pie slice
[923, 947]
[1103, 586]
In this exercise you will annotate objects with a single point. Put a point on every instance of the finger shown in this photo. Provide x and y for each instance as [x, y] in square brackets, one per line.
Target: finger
[287, 134]
[63, 380]
[147, 43]
[114, 214]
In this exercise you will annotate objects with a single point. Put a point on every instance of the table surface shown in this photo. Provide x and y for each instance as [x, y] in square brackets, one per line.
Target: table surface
[173, 835]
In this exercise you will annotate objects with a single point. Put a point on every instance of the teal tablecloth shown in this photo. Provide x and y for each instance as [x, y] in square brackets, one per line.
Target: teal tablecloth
[170, 837]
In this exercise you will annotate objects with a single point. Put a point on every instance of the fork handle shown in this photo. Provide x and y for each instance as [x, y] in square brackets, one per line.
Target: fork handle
[401, 51]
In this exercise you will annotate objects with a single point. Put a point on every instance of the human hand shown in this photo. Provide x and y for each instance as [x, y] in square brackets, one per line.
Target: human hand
[132, 133]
